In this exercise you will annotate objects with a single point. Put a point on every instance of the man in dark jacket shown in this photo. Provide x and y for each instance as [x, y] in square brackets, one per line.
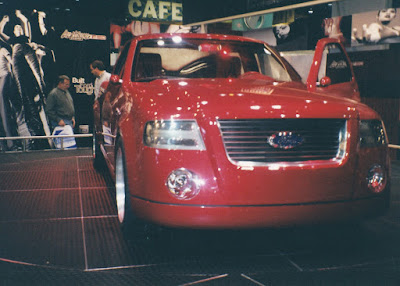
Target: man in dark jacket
[60, 106]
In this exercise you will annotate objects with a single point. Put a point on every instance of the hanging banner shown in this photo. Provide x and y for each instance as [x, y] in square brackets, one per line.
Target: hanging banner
[263, 21]
[252, 22]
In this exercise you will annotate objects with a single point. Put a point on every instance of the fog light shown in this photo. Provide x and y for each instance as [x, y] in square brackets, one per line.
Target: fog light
[183, 184]
[376, 179]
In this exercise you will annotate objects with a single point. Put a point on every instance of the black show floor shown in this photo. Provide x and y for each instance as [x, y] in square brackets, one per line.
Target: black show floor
[58, 226]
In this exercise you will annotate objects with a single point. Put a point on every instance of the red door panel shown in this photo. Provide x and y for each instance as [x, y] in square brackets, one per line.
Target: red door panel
[331, 71]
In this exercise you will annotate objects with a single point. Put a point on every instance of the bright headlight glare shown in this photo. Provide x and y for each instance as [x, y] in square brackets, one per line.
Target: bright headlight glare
[372, 133]
[376, 178]
[342, 138]
[173, 134]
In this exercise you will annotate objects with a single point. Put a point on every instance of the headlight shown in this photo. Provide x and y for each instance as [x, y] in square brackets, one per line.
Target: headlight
[183, 184]
[173, 134]
[342, 137]
[372, 133]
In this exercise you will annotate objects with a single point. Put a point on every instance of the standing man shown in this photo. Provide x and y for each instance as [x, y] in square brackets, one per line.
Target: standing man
[98, 70]
[60, 106]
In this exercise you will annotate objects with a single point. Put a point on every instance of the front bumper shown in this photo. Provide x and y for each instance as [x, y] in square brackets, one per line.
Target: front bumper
[262, 216]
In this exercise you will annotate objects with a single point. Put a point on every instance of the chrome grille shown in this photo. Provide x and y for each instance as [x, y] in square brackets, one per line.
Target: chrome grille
[246, 140]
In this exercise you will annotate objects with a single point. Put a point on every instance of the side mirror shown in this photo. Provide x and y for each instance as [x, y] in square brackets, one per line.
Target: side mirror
[325, 81]
[115, 79]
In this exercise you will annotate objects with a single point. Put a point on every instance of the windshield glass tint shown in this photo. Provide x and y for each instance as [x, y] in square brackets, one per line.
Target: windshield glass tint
[199, 58]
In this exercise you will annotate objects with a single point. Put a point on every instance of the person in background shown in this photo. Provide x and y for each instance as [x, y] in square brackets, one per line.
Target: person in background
[281, 32]
[60, 106]
[380, 31]
[98, 69]
[290, 37]
[332, 28]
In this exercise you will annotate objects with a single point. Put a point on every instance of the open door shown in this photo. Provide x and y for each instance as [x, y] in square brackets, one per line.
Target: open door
[331, 71]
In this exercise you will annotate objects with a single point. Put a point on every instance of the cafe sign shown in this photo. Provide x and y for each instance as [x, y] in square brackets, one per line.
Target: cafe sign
[156, 11]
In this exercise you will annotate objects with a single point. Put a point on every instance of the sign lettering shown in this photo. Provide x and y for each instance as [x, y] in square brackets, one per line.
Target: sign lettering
[163, 9]
[135, 12]
[156, 11]
[81, 87]
[150, 10]
[80, 36]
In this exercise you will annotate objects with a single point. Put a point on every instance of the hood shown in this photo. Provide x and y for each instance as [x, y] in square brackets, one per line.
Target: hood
[239, 98]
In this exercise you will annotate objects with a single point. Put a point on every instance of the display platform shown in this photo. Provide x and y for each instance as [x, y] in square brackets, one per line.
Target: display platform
[58, 226]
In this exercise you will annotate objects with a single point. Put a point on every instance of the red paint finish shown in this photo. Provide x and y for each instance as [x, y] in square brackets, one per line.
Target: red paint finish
[349, 88]
[209, 89]
[241, 217]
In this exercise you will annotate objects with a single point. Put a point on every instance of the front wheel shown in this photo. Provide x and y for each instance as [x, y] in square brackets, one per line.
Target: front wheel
[98, 159]
[121, 188]
[132, 227]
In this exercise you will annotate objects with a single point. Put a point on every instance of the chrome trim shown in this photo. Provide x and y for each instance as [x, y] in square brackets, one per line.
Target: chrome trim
[120, 188]
[314, 156]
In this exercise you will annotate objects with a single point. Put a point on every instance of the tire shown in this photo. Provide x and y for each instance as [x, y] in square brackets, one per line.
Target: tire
[121, 188]
[133, 228]
[98, 160]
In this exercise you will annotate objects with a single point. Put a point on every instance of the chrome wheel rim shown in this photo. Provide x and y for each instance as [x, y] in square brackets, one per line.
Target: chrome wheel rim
[120, 186]
[94, 145]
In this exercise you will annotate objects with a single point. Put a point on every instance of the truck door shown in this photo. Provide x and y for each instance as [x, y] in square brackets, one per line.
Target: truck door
[331, 71]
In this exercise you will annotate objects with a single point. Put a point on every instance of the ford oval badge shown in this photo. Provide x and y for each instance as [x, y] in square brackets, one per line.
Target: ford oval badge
[285, 140]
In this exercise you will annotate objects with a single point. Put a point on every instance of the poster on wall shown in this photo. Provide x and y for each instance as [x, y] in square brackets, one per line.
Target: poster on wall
[284, 36]
[338, 28]
[26, 68]
[313, 27]
[291, 36]
[376, 27]
[293, 30]
[35, 48]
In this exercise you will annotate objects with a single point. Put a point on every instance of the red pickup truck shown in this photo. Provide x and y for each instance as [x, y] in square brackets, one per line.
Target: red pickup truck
[220, 132]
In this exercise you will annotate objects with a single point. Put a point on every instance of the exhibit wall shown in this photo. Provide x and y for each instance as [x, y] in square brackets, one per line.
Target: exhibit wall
[36, 46]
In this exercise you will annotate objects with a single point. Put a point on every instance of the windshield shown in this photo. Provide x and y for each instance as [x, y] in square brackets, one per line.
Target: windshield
[204, 58]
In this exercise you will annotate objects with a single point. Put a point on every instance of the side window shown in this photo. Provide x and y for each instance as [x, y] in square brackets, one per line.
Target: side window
[119, 66]
[272, 68]
[334, 65]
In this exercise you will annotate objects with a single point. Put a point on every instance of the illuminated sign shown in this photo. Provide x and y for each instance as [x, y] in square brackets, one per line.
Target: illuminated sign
[156, 11]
